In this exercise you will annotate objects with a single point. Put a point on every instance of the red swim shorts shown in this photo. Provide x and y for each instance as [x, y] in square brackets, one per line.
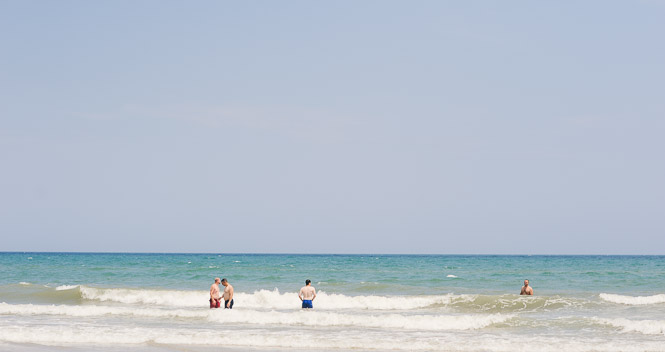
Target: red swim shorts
[215, 303]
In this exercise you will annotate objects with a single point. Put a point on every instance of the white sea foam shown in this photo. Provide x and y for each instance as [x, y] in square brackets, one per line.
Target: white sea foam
[296, 317]
[98, 336]
[66, 287]
[648, 327]
[96, 311]
[633, 300]
[389, 321]
[171, 298]
[453, 276]
[265, 299]
[24, 283]
[275, 300]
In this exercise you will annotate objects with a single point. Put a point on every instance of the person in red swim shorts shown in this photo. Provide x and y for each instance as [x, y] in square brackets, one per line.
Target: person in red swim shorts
[215, 300]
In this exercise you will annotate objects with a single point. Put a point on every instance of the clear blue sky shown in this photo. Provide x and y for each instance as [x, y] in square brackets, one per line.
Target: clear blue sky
[333, 127]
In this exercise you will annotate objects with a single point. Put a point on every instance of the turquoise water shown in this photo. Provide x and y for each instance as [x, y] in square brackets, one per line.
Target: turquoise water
[365, 302]
[349, 274]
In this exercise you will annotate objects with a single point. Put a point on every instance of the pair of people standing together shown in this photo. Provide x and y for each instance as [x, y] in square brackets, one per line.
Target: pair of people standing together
[227, 294]
[307, 294]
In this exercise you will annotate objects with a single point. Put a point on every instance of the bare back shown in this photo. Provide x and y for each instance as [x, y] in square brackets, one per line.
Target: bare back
[307, 293]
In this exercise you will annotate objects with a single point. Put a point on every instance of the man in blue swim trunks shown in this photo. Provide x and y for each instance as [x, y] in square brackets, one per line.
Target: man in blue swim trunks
[227, 294]
[307, 294]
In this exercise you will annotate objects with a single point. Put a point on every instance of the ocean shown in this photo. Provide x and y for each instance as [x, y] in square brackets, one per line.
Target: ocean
[159, 302]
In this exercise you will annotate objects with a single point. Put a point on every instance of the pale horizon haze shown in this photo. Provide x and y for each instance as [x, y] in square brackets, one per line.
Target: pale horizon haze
[428, 127]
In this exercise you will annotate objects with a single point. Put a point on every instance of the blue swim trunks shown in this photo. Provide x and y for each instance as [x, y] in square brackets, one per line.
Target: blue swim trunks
[307, 303]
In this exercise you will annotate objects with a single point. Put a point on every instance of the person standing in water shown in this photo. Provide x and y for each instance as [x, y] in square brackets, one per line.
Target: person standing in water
[526, 289]
[214, 294]
[228, 294]
[307, 294]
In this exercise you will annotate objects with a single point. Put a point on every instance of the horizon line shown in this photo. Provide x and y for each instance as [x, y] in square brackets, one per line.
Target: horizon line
[350, 254]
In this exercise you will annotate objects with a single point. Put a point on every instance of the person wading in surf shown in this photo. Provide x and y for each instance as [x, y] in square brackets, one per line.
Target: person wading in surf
[215, 301]
[307, 294]
[228, 294]
[526, 289]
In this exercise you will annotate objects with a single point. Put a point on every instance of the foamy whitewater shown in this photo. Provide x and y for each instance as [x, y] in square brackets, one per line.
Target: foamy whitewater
[159, 302]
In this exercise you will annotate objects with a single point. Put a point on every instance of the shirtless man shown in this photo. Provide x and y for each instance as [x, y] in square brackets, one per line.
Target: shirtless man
[307, 294]
[214, 294]
[526, 289]
[228, 294]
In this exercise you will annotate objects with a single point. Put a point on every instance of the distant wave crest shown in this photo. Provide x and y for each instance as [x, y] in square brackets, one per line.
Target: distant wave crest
[66, 287]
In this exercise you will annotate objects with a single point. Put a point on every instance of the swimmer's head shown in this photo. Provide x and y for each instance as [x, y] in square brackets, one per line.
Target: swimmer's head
[526, 282]
[217, 280]
[308, 281]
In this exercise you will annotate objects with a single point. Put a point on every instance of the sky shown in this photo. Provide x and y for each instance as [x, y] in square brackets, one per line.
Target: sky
[416, 127]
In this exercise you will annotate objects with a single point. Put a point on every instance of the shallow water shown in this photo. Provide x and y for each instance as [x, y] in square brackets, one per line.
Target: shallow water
[446, 303]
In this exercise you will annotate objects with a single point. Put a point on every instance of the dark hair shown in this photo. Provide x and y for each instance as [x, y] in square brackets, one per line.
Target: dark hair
[308, 281]
[224, 280]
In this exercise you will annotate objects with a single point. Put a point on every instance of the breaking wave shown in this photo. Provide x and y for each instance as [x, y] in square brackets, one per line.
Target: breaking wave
[647, 327]
[263, 299]
[633, 300]
[266, 299]
[295, 317]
